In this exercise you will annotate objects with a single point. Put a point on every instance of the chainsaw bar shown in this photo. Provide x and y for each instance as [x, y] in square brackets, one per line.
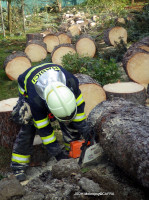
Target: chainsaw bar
[92, 153]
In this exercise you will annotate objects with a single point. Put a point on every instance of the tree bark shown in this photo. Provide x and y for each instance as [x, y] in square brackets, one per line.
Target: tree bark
[123, 130]
[23, 16]
[8, 129]
[9, 16]
[33, 36]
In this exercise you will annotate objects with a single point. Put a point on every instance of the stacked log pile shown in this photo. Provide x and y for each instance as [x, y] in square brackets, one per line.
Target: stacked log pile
[122, 128]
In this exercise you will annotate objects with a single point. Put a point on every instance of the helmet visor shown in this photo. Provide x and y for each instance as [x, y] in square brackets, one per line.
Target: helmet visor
[68, 118]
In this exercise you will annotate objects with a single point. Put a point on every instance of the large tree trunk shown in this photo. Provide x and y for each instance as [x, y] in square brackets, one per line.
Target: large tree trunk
[9, 16]
[23, 15]
[123, 130]
[2, 19]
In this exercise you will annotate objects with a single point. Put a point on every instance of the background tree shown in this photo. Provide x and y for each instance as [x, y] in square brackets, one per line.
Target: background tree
[2, 19]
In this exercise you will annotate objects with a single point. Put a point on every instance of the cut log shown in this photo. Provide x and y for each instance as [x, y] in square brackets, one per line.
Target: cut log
[75, 30]
[142, 44]
[8, 129]
[114, 35]
[15, 64]
[123, 130]
[36, 50]
[92, 92]
[61, 50]
[128, 90]
[136, 65]
[64, 38]
[33, 36]
[51, 41]
[85, 46]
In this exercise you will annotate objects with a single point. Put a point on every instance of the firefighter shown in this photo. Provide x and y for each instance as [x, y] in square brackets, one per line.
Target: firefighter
[47, 92]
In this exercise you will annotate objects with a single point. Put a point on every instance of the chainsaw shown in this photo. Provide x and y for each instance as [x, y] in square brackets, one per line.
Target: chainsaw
[86, 151]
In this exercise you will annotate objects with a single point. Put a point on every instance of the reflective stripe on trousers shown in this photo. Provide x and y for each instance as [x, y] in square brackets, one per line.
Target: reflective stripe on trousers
[20, 158]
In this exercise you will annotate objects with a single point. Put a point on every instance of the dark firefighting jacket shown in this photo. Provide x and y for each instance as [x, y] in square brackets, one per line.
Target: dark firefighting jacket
[32, 84]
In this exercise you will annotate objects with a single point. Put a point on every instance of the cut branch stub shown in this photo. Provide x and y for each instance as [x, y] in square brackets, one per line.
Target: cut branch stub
[136, 65]
[128, 90]
[51, 41]
[8, 129]
[92, 92]
[15, 64]
[63, 38]
[61, 50]
[114, 35]
[85, 46]
[36, 50]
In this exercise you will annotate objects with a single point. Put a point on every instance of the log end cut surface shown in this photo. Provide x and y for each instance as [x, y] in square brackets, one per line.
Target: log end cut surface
[64, 38]
[8, 104]
[35, 52]
[127, 90]
[59, 52]
[93, 94]
[16, 67]
[138, 68]
[51, 42]
[86, 47]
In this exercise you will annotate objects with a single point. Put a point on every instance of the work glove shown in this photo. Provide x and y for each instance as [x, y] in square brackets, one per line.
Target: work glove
[86, 131]
[62, 155]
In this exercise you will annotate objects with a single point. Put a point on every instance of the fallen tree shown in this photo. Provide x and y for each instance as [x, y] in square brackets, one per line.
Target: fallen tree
[123, 130]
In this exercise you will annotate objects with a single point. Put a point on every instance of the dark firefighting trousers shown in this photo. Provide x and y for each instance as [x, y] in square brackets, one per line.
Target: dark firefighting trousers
[23, 145]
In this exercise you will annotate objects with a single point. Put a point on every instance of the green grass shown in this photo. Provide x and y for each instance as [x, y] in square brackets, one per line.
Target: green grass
[8, 45]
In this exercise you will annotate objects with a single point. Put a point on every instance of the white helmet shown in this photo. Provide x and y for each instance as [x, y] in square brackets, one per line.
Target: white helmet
[61, 101]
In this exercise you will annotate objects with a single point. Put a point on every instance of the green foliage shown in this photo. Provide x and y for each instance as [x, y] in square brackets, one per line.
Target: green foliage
[104, 71]
[116, 53]
[138, 27]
